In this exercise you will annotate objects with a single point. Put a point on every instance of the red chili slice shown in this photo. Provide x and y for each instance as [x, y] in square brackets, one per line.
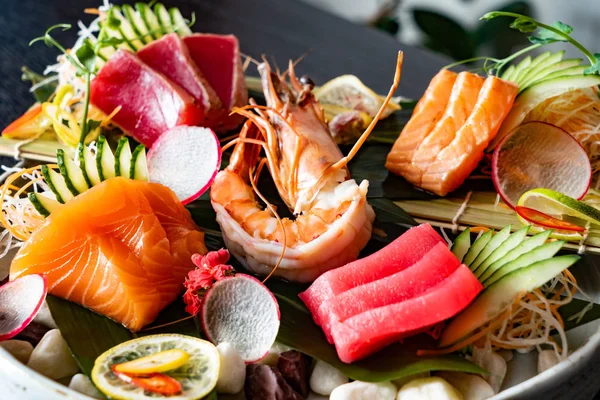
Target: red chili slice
[548, 221]
[156, 382]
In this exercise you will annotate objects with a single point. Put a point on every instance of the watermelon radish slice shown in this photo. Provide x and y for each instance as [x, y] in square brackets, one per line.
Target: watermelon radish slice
[539, 218]
[21, 300]
[240, 310]
[185, 159]
[540, 155]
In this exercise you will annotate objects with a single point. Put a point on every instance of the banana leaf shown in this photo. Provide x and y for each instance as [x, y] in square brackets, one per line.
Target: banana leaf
[89, 334]
[298, 331]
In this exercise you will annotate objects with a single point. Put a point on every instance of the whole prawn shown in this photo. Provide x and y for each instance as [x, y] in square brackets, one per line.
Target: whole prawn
[332, 218]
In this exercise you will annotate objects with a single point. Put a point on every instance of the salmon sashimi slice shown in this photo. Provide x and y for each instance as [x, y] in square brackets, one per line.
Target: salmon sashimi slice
[184, 236]
[107, 250]
[426, 114]
[465, 93]
[453, 164]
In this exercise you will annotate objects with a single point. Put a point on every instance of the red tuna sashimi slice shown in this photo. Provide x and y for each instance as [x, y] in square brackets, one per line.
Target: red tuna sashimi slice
[150, 103]
[171, 57]
[426, 273]
[366, 333]
[218, 57]
[396, 256]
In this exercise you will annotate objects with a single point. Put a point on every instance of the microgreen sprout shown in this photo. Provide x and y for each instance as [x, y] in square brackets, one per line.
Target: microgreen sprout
[546, 34]
[557, 32]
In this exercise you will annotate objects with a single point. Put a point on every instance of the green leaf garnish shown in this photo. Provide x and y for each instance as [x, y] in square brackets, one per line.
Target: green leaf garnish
[86, 55]
[524, 24]
[41, 92]
[545, 36]
[595, 67]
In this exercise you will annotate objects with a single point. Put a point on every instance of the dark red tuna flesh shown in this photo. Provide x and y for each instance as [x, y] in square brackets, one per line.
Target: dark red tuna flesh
[150, 103]
[295, 367]
[218, 57]
[170, 57]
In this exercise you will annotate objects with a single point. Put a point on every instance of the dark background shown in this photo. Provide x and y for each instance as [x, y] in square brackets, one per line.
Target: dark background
[284, 29]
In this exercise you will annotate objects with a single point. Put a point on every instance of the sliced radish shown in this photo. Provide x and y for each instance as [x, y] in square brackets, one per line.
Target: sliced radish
[20, 301]
[540, 155]
[539, 218]
[241, 311]
[186, 159]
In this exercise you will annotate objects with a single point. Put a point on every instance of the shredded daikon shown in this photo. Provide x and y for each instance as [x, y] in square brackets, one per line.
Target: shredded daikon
[578, 113]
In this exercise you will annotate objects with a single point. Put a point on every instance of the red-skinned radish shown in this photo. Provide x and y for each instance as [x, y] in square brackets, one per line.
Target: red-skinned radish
[241, 310]
[540, 155]
[21, 300]
[539, 218]
[186, 159]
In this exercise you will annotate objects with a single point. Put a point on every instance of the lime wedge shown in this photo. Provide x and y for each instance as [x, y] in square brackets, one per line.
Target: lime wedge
[568, 236]
[559, 205]
[197, 376]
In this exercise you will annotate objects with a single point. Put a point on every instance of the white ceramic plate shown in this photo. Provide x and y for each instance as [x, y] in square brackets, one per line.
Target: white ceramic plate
[17, 382]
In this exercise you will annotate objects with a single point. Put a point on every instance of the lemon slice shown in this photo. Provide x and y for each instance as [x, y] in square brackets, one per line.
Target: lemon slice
[197, 376]
[158, 362]
[559, 205]
[349, 92]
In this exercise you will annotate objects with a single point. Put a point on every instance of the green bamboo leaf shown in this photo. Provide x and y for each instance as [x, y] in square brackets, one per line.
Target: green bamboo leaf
[41, 93]
[298, 331]
[89, 334]
[574, 307]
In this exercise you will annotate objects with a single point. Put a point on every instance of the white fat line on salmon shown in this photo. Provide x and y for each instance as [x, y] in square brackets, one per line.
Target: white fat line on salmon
[461, 211]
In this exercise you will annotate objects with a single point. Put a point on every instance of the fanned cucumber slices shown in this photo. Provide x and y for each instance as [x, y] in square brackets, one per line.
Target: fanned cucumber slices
[508, 265]
[90, 169]
[142, 24]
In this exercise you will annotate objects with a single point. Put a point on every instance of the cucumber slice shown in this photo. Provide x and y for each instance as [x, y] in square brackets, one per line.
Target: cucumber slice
[551, 59]
[477, 247]
[57, 184]
[461, 244]
[525, 247]
[539, 59]
[508, 72]
[521, 69]
[492, 245]
[535, 95]
[502, 294]
[105, 160]
[87, 164]
[126, 30]
[137, 23]
[44, 205]
[139, 166]
[510, 243]
[179, 23]
[541, 75]
[579, 70]
[150, 19]
[123, 159]
[540, 253]
[164, 18]
[71, 173]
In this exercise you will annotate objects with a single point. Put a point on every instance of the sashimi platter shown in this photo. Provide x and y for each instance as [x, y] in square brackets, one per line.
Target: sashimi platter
[197, 233]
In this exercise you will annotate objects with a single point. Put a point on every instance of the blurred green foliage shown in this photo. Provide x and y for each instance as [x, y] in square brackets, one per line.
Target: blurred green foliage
[445, 35]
